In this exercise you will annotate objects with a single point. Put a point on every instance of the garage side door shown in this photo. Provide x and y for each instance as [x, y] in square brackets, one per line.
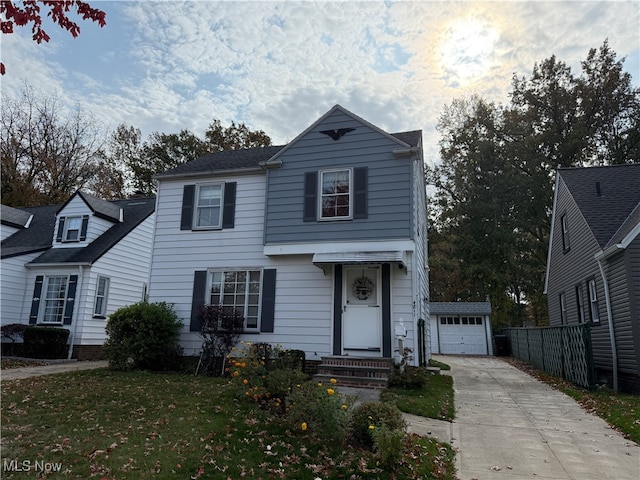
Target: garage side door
[462, 336]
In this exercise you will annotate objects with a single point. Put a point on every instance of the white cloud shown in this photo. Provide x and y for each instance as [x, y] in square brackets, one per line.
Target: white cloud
[277, 66]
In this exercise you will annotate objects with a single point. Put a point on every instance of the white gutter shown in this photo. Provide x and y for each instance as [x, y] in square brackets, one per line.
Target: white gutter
[76, 310]
[607, 296]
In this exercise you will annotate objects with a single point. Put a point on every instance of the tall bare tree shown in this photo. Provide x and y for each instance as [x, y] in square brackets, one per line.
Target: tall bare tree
[48, 152]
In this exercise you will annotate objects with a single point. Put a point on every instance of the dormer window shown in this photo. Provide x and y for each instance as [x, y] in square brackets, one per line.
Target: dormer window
[72, 229]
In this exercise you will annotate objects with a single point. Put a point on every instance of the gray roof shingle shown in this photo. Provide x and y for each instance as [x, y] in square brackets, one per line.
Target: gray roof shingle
[14, 217]
[460, 308]
[607, 196]
[39, 235]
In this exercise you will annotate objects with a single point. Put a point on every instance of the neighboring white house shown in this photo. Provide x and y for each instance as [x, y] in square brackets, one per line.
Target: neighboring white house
[462, 328]
[321, 243]
[73, 265]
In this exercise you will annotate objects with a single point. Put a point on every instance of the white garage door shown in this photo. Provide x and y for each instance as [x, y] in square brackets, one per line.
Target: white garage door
[462, 335]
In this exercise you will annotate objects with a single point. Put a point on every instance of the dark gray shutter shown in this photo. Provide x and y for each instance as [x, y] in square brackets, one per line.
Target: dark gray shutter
[83, 230]
[310, 196]
[337, 310]
[360, 187]
[71, 300]
[197, 300]
[35, 302]
[186, 219]
[60, 229]
[229, 209]
[268, 300]
[386, 310]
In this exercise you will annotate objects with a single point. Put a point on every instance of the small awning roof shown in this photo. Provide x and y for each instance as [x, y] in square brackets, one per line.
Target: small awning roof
[354, 258]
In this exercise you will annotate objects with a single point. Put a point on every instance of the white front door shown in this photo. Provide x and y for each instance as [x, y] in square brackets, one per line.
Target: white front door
[361, 319]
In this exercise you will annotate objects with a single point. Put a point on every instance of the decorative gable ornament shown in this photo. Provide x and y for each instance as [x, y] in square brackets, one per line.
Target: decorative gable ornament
[336, 134]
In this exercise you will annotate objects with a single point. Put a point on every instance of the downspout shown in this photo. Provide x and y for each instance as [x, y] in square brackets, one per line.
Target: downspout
[76, 310]
[612, 335]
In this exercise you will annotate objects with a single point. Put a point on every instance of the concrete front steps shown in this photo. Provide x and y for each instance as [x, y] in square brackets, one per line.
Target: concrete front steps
[360, 372]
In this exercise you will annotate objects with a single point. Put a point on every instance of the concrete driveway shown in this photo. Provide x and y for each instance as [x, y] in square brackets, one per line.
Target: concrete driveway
[510, 426]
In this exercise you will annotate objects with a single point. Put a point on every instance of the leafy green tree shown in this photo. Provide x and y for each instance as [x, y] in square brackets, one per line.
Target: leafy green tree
[162, 152]
[494, 187]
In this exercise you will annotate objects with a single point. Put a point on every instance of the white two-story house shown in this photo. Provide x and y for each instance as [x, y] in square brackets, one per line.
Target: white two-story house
[321, 244]
[72, 265]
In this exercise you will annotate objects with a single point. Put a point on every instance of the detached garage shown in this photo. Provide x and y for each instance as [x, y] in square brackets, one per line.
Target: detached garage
[461, 328]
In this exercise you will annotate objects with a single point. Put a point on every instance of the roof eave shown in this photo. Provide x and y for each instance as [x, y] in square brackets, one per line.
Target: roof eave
[215, 173]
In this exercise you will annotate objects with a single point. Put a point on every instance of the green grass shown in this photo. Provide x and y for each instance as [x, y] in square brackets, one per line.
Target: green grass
[619, 410]
[435, 400]
[440, 365]
[136, 425]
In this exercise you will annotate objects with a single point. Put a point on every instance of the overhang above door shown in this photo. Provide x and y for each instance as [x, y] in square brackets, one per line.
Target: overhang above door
[326, 260]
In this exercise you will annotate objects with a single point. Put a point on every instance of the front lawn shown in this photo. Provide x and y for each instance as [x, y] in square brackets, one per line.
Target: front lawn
[132, 425]
[435, 400]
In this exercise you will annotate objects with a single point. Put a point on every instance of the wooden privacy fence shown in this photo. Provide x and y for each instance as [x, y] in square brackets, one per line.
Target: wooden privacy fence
[561, 351]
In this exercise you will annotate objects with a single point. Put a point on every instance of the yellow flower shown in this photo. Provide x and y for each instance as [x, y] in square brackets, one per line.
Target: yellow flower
[344, 407]
[372, 427]
[245, 381]
[334, 381]
[303, 426]
[235, 374]
[248, 344]
[319, 384]
[243, 364]
[330, 391]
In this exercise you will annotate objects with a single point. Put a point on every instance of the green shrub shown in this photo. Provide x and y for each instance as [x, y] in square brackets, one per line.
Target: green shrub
[319, 409]
[369, 416]
[410, 378]
[45, 342]
[388, 445]
[143, 336]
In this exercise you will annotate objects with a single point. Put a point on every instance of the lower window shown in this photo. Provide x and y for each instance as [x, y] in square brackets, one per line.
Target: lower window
[239, 291]
[55, 297]
[102, 292]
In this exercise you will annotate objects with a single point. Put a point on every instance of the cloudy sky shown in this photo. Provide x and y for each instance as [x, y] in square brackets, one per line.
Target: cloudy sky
[277, 66]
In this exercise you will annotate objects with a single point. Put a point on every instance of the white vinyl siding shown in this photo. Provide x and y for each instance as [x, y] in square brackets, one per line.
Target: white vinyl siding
[17, 289]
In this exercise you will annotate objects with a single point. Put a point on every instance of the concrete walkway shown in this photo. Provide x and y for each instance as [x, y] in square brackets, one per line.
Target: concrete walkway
[27, 372]
[510, 426]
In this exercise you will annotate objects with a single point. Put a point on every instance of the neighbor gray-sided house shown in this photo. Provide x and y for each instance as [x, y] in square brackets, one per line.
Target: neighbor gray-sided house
[321, 243]
[461, 328]
[72, 265]
[593, 270]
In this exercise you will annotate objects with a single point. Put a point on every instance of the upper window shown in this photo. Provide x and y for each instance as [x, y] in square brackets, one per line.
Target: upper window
[72, 227]
[102, 292]
[238, 291]
[208, 211]
[335, 198]
[565, 232]
[593, 301]
[55, 296]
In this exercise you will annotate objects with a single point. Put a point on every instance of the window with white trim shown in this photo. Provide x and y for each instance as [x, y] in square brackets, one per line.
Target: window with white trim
[563, 309]
[238, 291]
[335, 194]
[580, 302]
[72, 226]
[102, 293]
[55, 297]
[593, 301]
[208, 206]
